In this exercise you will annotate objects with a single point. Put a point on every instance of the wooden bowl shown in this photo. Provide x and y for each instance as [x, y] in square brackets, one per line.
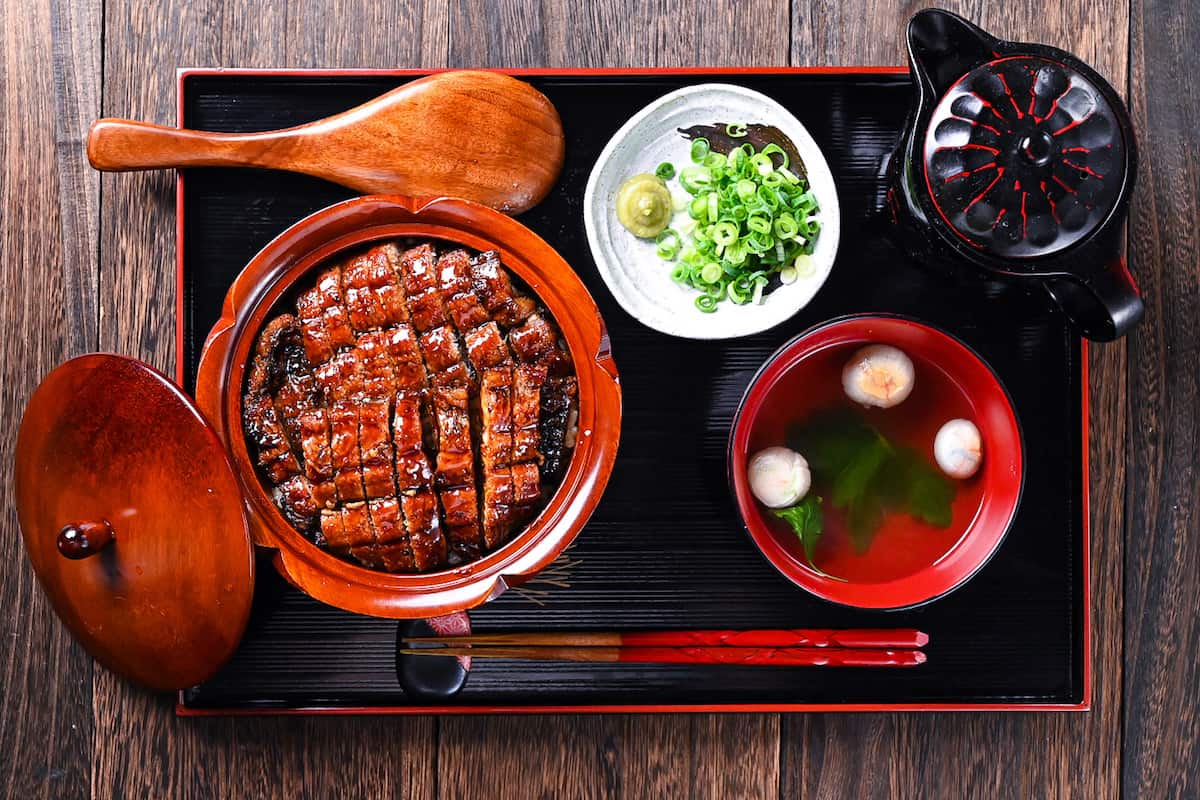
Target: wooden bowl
[952, 381]
[292, 258]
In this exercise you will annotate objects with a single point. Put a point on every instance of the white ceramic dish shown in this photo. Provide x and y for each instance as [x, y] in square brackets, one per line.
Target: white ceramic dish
[640, 280]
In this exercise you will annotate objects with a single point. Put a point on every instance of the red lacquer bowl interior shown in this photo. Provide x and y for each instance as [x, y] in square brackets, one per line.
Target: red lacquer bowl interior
[908, 562]
[290, 259]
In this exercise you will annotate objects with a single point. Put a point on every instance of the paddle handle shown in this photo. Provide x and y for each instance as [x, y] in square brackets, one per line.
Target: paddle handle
[123, 145]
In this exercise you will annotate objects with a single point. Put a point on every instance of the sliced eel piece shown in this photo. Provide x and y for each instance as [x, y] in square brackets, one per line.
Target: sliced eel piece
[495, 404]
[259, 416]
[323, 322]
[443, 359]
[536, 342]
[405, 353]
[418, 278]
[412, 466]
[333, 309]
[455, 457]
[558, 421]
[495, 290]
[385, 280]
[458, 293]
[364, 308]
[485, 347]
[460, 511]
[455, 475]
[527, 488]
[395, 553]
[378, 370]
[495, 453]
[497, 506]
[333, 531]
[317, 348]
[526, 405]
[294, 498]
[375, 449]
[262, 426]
[424, 530]
[318, 457]
[360, 536]
[296, 388]
[342, 376]
[344, 452]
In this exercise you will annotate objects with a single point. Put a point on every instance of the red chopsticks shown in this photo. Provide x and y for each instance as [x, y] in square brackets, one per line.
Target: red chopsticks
[799, 647]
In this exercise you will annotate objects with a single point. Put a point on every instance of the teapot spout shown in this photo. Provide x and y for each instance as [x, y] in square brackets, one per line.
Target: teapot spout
[942, 47]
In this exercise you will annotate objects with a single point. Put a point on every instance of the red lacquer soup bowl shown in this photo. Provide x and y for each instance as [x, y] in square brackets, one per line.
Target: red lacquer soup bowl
[907, 561]
[262, 290]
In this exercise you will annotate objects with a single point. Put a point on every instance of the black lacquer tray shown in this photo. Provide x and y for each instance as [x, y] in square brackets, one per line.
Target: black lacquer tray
[665, 548]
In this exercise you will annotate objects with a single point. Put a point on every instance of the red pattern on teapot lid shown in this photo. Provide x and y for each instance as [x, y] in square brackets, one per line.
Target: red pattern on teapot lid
[1023, 157]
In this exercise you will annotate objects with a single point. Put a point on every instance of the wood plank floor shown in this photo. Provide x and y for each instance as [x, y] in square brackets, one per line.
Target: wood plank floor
[87, 263]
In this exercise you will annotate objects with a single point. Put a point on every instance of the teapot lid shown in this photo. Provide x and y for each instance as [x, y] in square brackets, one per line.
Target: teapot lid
[1024, 156]
[133, 521]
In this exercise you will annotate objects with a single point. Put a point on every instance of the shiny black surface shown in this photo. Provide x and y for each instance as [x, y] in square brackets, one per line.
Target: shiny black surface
[665, 548]
[952, 208]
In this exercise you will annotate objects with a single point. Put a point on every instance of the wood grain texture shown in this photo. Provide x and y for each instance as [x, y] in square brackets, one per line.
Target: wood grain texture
[49, 74]
[1162, 680]
[53, 225]
[941, 755]
[616, 33]
[699, 756]
[142, 750]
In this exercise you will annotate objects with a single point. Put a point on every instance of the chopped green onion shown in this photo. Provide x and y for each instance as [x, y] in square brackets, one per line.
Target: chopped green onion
[804, 266]
[735, 130]
[749, 219]
[773, 148]
[785, 226]
[724, 233]
[668, 244]
[762, 164]
[694, 178]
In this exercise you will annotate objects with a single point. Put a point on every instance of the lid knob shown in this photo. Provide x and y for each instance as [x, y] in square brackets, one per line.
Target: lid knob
[1037, 148]
[82, 539]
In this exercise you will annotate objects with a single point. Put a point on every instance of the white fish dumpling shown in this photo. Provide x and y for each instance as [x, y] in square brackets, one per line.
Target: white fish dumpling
[779, 477]
[879, 375]
[958, 448]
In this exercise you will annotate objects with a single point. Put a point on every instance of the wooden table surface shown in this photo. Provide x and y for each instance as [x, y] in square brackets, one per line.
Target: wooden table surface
[87, 264]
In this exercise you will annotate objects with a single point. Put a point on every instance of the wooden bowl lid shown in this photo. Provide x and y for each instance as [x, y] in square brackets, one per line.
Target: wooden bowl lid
[133, 521]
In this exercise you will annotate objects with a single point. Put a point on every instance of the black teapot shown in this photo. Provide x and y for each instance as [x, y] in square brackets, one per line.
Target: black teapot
[1019, 159]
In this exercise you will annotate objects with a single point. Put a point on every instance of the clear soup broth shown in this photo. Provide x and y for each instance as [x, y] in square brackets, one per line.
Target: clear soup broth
[902, 544]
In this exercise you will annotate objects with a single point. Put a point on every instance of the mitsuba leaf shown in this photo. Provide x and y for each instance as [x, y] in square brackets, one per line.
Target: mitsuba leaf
[808, 522]
[868, 476]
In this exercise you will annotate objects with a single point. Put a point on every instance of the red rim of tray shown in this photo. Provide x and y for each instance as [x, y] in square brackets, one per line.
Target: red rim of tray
[1084, 703]
[1002, 472]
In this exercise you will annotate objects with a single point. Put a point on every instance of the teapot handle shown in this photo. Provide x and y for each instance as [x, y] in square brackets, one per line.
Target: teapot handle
[1104, 306]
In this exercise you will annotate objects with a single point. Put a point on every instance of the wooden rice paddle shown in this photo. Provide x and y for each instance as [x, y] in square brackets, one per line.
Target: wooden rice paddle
[482, 136]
